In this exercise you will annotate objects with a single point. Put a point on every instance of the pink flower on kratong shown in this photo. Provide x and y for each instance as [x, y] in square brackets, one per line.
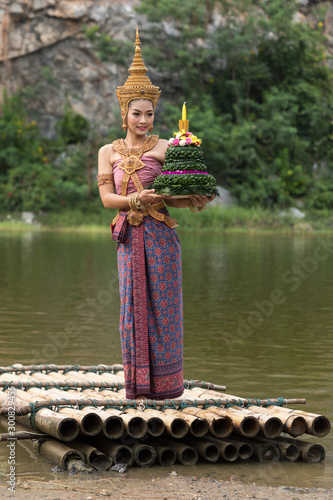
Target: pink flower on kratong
[188, 140]
[176, 142]
[188, 134]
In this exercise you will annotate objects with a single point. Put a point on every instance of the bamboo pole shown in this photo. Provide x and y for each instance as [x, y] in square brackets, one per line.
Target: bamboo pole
[293, 424]
[228, 450]
[17, 436]
[93, 456]
[90, 422]
[174, 426]
[219, 426]
[270, 427]
[265, 452]
[207, 450]
[165, 455]
[135, 425]
[149, 403]
[309, 452]
[18, 368]
[117, 453]
[155, 424]
[144, 455]
[186, 455]
[198, 427]
[244, 425]
[58, 453]
[288, 451]
[244, 450]
[113, 425]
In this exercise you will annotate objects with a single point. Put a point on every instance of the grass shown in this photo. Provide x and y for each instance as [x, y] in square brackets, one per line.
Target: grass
[215, 218]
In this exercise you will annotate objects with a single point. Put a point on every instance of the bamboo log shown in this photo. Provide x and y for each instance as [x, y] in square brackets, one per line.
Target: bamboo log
[113, 425]
[174, 426]
[165, 455]
[117, 453]
[90, 422]
[288, 450]
[17, 436]
[219, 426]
[244, 450]
[144, 455]
[265, 452]
[52, 423]
[244, 425]
[228, 450]
[294, 425]
[156, 426]
[58, 453]
[207, 450]
[198, 427]
[309, 452]
[93, 456]
[135, 426]
[23, 410]
[186, 455]
[270, 427]
[18, 368]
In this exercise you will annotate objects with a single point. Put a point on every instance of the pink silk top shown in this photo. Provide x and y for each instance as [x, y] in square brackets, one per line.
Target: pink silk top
[147, 174]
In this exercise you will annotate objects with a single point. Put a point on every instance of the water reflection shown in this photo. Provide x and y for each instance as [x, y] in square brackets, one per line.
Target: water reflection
[257, 312]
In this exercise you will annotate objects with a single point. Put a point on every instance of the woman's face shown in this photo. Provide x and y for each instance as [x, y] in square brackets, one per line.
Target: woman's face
[140, 116]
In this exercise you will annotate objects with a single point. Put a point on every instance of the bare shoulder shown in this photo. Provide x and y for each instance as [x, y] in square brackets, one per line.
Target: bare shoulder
[163, 144]
[105, 150]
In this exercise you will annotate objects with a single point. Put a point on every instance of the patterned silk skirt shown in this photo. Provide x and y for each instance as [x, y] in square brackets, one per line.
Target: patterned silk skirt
[151, 312]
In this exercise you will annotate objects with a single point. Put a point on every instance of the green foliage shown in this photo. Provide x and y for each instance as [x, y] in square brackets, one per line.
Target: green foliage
[107, 49]
[37, 173]
[258, 91]
[72, 127]
[321, 193]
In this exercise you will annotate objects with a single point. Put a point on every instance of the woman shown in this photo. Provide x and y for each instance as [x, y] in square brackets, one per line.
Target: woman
[149, 258]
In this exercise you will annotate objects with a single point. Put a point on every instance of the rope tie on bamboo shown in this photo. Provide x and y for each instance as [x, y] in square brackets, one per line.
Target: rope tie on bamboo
[257, 402]
[50, 369]
[280, 402]
[235, 402]
[70, 368]
[111, 403]
[35, 369]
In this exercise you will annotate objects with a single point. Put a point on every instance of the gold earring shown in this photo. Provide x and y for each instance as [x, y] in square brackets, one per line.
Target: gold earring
[125, 126]
[151, 128]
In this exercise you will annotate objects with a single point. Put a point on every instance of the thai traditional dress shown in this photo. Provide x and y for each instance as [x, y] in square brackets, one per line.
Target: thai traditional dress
[149, 267]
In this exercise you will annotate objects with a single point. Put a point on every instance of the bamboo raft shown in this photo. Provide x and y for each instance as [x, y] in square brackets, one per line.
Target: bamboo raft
[72, 413]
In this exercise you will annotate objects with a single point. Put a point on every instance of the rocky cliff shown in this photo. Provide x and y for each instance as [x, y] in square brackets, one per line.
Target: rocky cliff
[44, 49]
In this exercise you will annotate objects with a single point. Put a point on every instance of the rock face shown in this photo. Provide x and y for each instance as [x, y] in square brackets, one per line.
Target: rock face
[44, 50]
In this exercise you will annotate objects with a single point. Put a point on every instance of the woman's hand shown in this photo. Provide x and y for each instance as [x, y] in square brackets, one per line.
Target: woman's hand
[147, 196]
[200, 201]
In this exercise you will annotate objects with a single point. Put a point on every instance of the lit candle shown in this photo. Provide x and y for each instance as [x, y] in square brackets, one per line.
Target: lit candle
[184, 112]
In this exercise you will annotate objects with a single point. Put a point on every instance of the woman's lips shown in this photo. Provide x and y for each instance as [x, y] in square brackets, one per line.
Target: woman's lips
[142, 128]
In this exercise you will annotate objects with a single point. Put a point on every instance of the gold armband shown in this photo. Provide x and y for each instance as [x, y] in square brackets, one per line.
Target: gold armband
[104, 179]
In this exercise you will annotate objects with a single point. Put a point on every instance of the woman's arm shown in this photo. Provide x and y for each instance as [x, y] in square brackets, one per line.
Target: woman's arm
[106, 191]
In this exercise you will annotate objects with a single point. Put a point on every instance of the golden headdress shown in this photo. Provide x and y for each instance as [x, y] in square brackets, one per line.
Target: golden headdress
[137, 85]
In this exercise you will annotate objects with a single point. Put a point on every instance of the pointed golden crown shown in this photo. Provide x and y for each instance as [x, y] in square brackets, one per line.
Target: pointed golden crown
[137, 85]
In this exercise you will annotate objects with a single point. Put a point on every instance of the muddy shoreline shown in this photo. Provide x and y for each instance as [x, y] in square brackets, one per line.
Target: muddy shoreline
[171, 487]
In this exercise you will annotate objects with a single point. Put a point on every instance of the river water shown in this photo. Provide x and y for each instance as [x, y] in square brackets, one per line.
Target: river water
[258, 318]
